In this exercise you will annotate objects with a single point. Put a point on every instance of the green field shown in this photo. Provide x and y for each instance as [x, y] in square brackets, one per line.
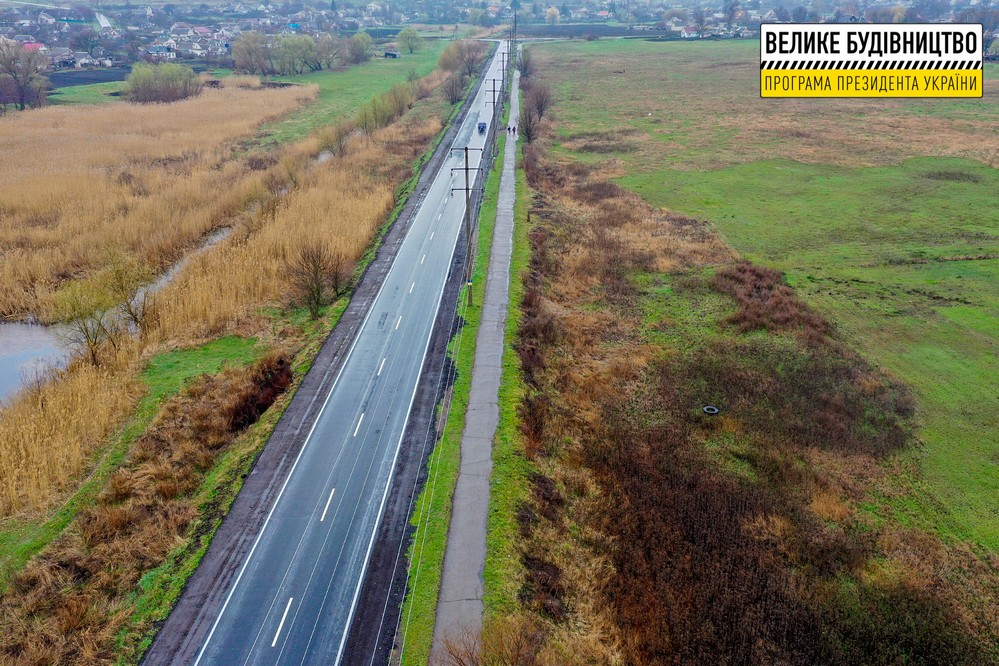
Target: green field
[341, 93]
[92, 93]
[883, 214]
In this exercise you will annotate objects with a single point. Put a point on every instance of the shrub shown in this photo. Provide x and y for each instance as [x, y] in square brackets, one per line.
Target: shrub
[166, 82]
[359, 48]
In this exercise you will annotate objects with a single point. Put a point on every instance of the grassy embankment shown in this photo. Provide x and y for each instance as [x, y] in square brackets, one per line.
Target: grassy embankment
[280, 328]
[508, 486]
[342, 93]
[432, 513]
[773, 531]
[882, 220]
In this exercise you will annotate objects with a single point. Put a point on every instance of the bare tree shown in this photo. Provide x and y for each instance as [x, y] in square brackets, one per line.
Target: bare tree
[540, 99]
[316, 273]
[529, 126]
[469, 55]
[731, 8]
[699, 18]
[24, 69]
[454, 88]
[85, 40]
[126, 279]
[251, 52]
[328, 49]
[526, 64]
[91, 328]
[336, 138]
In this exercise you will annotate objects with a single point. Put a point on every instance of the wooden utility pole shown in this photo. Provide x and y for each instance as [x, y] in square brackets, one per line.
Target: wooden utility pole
[468, 219]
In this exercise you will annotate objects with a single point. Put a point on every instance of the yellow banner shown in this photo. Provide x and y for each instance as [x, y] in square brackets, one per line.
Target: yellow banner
[870, 83]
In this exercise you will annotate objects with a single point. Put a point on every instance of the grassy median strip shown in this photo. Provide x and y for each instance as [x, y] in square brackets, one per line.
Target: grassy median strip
[508, 485]
[432, 514]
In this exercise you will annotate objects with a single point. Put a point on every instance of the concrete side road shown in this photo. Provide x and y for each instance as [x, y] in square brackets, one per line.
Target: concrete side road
[459, 606]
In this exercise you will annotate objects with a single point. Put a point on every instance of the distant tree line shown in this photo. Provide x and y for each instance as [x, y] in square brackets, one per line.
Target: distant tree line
[256, 53]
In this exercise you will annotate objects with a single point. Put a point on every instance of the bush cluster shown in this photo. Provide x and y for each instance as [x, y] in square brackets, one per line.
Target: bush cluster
[165, 82]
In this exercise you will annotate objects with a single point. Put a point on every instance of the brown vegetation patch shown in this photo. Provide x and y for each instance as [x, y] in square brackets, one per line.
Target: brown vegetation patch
[640, 544]
[69, 603]
[954, 176]
[620, 141]
[150, 179]
[276, 205]
[766, 303]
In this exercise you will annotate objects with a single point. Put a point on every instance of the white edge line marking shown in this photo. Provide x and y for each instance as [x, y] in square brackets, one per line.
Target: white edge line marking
[291, 472]
[411, 287]
[381, 510]
[359, 422]
[327, 507]
[284, 616]
[380, 368]
[388, 485]
[399, 321]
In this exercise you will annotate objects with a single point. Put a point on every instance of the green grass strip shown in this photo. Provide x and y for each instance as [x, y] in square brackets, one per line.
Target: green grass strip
[432, 513]
[508, 483]
[163, 378]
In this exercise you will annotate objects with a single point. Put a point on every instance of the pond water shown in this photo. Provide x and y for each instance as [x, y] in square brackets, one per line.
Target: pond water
[27, 351]
[30, 350]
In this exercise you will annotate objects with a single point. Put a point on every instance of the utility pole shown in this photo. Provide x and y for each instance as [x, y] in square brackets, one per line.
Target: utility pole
[493, 139]
[468, 219]
[493, 90]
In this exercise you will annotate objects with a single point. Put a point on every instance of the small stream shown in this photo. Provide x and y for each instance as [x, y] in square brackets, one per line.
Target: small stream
[28, 351]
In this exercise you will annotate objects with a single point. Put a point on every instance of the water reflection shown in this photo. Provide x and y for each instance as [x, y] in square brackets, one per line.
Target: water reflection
[28, 351]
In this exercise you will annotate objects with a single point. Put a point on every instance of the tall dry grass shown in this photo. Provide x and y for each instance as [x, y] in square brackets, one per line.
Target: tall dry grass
[277, 203]
[339, 203]
[49, 434]
[639, 544]
[151, 179]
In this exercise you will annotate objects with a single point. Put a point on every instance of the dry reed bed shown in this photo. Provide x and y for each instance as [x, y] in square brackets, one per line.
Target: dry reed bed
[69, 603]
[48, 435]
[340, 202]
[149, 179]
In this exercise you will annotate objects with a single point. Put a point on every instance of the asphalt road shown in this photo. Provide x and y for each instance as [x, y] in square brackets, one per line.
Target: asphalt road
[295, 594]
